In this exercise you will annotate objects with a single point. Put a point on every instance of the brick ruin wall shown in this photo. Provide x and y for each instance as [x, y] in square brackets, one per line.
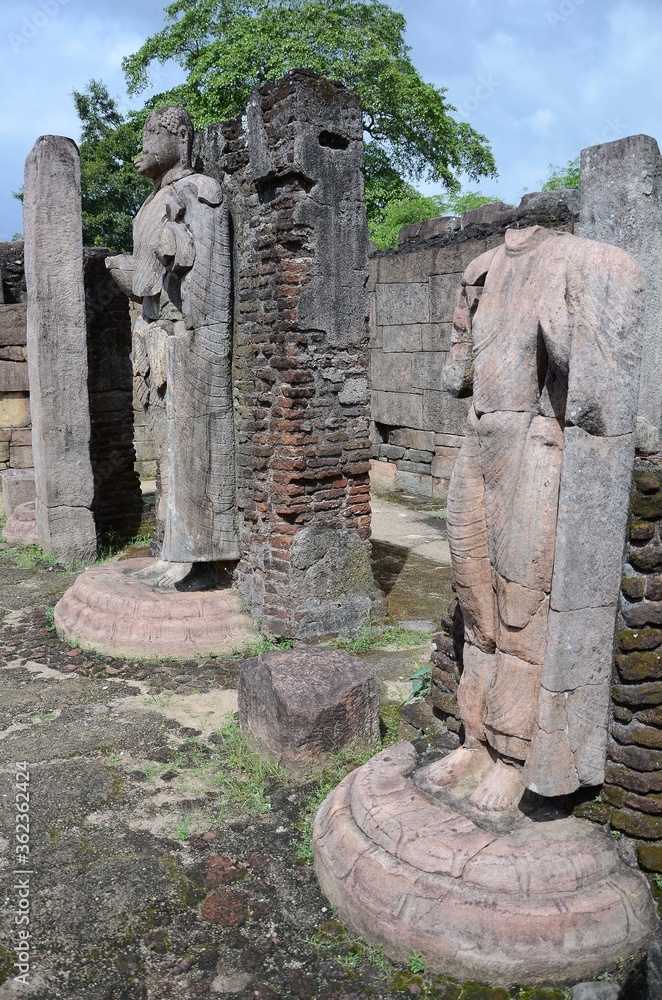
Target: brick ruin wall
[15, 421]
[417, 429]
[292, 171]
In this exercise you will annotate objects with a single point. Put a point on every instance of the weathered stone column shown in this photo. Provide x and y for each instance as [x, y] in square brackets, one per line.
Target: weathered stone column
[57, 350]
[292, 170]
[621, 204]
[79, 344]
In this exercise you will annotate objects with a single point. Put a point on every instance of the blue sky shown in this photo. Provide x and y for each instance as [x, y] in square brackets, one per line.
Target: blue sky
[541, 79]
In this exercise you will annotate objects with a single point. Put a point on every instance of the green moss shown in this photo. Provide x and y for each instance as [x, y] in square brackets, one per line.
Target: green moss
[6, 965]
[474, 991]
[187, 894]
[403, 980]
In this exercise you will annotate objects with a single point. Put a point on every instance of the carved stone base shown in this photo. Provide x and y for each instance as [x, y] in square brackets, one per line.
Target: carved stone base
[21, 527]
[528, 899]
[108, 610]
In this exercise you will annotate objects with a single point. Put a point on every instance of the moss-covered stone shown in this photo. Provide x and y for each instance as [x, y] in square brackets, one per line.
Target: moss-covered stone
[597, 812]
[647, 481]
[403, 980]
[633, 587]
[653, 588]
[637, 695]
[636, 734]
[641, 531]
[650, 856]
[474, 991]
[637, 824]
[644, 665]
[6, 965]
[621, 714]
[648, 558]
[646, 507]
[613, 795]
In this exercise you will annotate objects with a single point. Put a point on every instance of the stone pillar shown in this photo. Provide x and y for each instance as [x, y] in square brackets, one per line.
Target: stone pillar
[78, 340]
[57, 350]
[292, 170]
[621, 199]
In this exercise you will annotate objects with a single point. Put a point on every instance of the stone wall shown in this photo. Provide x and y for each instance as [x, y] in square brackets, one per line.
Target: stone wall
[292, 170]
[417, 429]
[15, 421]
[632, 794]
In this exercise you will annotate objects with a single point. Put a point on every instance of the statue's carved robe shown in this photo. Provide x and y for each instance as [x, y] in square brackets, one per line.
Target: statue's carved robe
[182, 274]
[547, 332]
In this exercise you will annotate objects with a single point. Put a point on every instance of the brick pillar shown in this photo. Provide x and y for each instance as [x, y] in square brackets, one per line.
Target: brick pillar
[292, 168]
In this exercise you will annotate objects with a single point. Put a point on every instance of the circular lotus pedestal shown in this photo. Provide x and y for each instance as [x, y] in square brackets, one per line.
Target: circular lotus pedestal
[21, 527]
[527, 900]
[108, 610]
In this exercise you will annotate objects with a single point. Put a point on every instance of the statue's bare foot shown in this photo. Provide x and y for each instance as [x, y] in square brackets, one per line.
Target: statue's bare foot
[163, 575]
[458, 765]
[499, 789]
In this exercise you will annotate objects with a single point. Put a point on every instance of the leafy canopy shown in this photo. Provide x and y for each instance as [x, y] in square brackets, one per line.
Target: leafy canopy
[112, 190]
[563, 177]
[229, 46]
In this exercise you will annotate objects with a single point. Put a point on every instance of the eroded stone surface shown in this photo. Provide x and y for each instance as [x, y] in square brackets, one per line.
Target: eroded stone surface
[475, 910]
[302, 706]
[21, 526]
[109, 610]
[17, 488]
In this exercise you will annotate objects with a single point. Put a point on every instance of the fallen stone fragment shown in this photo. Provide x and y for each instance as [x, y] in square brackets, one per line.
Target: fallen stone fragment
[300, 707]
[226, 908]
[596, 991]
[17, 488]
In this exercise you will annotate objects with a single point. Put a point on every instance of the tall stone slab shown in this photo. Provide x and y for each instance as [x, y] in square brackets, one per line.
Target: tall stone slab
[621, 204]
[292, 170]
[57, 350]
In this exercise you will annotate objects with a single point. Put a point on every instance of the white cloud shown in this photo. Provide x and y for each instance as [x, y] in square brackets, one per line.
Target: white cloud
[542, 121]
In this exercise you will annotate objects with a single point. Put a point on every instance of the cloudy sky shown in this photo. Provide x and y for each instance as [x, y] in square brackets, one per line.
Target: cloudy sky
[540, 78]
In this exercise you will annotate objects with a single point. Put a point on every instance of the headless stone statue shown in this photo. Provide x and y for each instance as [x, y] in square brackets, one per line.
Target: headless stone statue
[547, 334]
[180, 273]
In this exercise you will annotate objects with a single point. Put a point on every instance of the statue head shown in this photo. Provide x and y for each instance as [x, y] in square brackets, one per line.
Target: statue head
[167, 142]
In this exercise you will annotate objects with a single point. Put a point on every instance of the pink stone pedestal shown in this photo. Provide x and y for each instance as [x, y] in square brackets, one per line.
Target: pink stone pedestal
[108, 610]
[21, 526]
[526, 900]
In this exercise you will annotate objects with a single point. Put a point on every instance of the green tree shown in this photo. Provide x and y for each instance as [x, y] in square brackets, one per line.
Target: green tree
[228, 46]
[112, 190]
[563, 177]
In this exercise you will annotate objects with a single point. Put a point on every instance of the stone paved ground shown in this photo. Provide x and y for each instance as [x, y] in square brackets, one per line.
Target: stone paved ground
[168, 864]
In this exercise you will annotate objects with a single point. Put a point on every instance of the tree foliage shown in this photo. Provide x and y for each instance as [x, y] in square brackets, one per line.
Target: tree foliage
[228, 46]
[112, 190]
[416, 207]
[563, 177]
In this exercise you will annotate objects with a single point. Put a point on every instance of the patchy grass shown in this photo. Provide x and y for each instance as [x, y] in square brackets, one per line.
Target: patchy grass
[392, 636]
[262, 645]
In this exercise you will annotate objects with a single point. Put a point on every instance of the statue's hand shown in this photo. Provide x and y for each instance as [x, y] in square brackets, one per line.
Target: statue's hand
[174, 248]
[121, 269]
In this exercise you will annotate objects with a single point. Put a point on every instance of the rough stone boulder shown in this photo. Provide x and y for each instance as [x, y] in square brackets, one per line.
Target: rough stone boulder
[17, 488]
[302, 706]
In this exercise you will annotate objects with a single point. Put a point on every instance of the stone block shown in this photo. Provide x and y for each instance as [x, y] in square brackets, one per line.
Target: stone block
[493, 211]
[443, 462]
[58, 364]
[21, 457]
[373, 273]
[400, 303]
[21, 436]
[417, 468]
[637, 824]
[419, 455]
[427, 370]
[635, 757]
[391, 452]
[14, 376]
[625, 212]
[14, 410]
[401, 338]
[436, 337]
[397, 409]
[650, 859]
[391, 370]
[593, 503]
[583, 638]
[17, 488]
[449, 440]
[443, 413]
[13, 354]
[448, 260]
[417, 232]
[596, 991]
[382, 476]
[440, 489]
[407, 437]
[410, 482]
[301, 707]
[13, 324]
[376, 336]
[443, 296]
[4, 452]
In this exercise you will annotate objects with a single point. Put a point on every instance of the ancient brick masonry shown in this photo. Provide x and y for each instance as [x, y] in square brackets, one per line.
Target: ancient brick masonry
[292, 168]
[633, 789]
[15, 428]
